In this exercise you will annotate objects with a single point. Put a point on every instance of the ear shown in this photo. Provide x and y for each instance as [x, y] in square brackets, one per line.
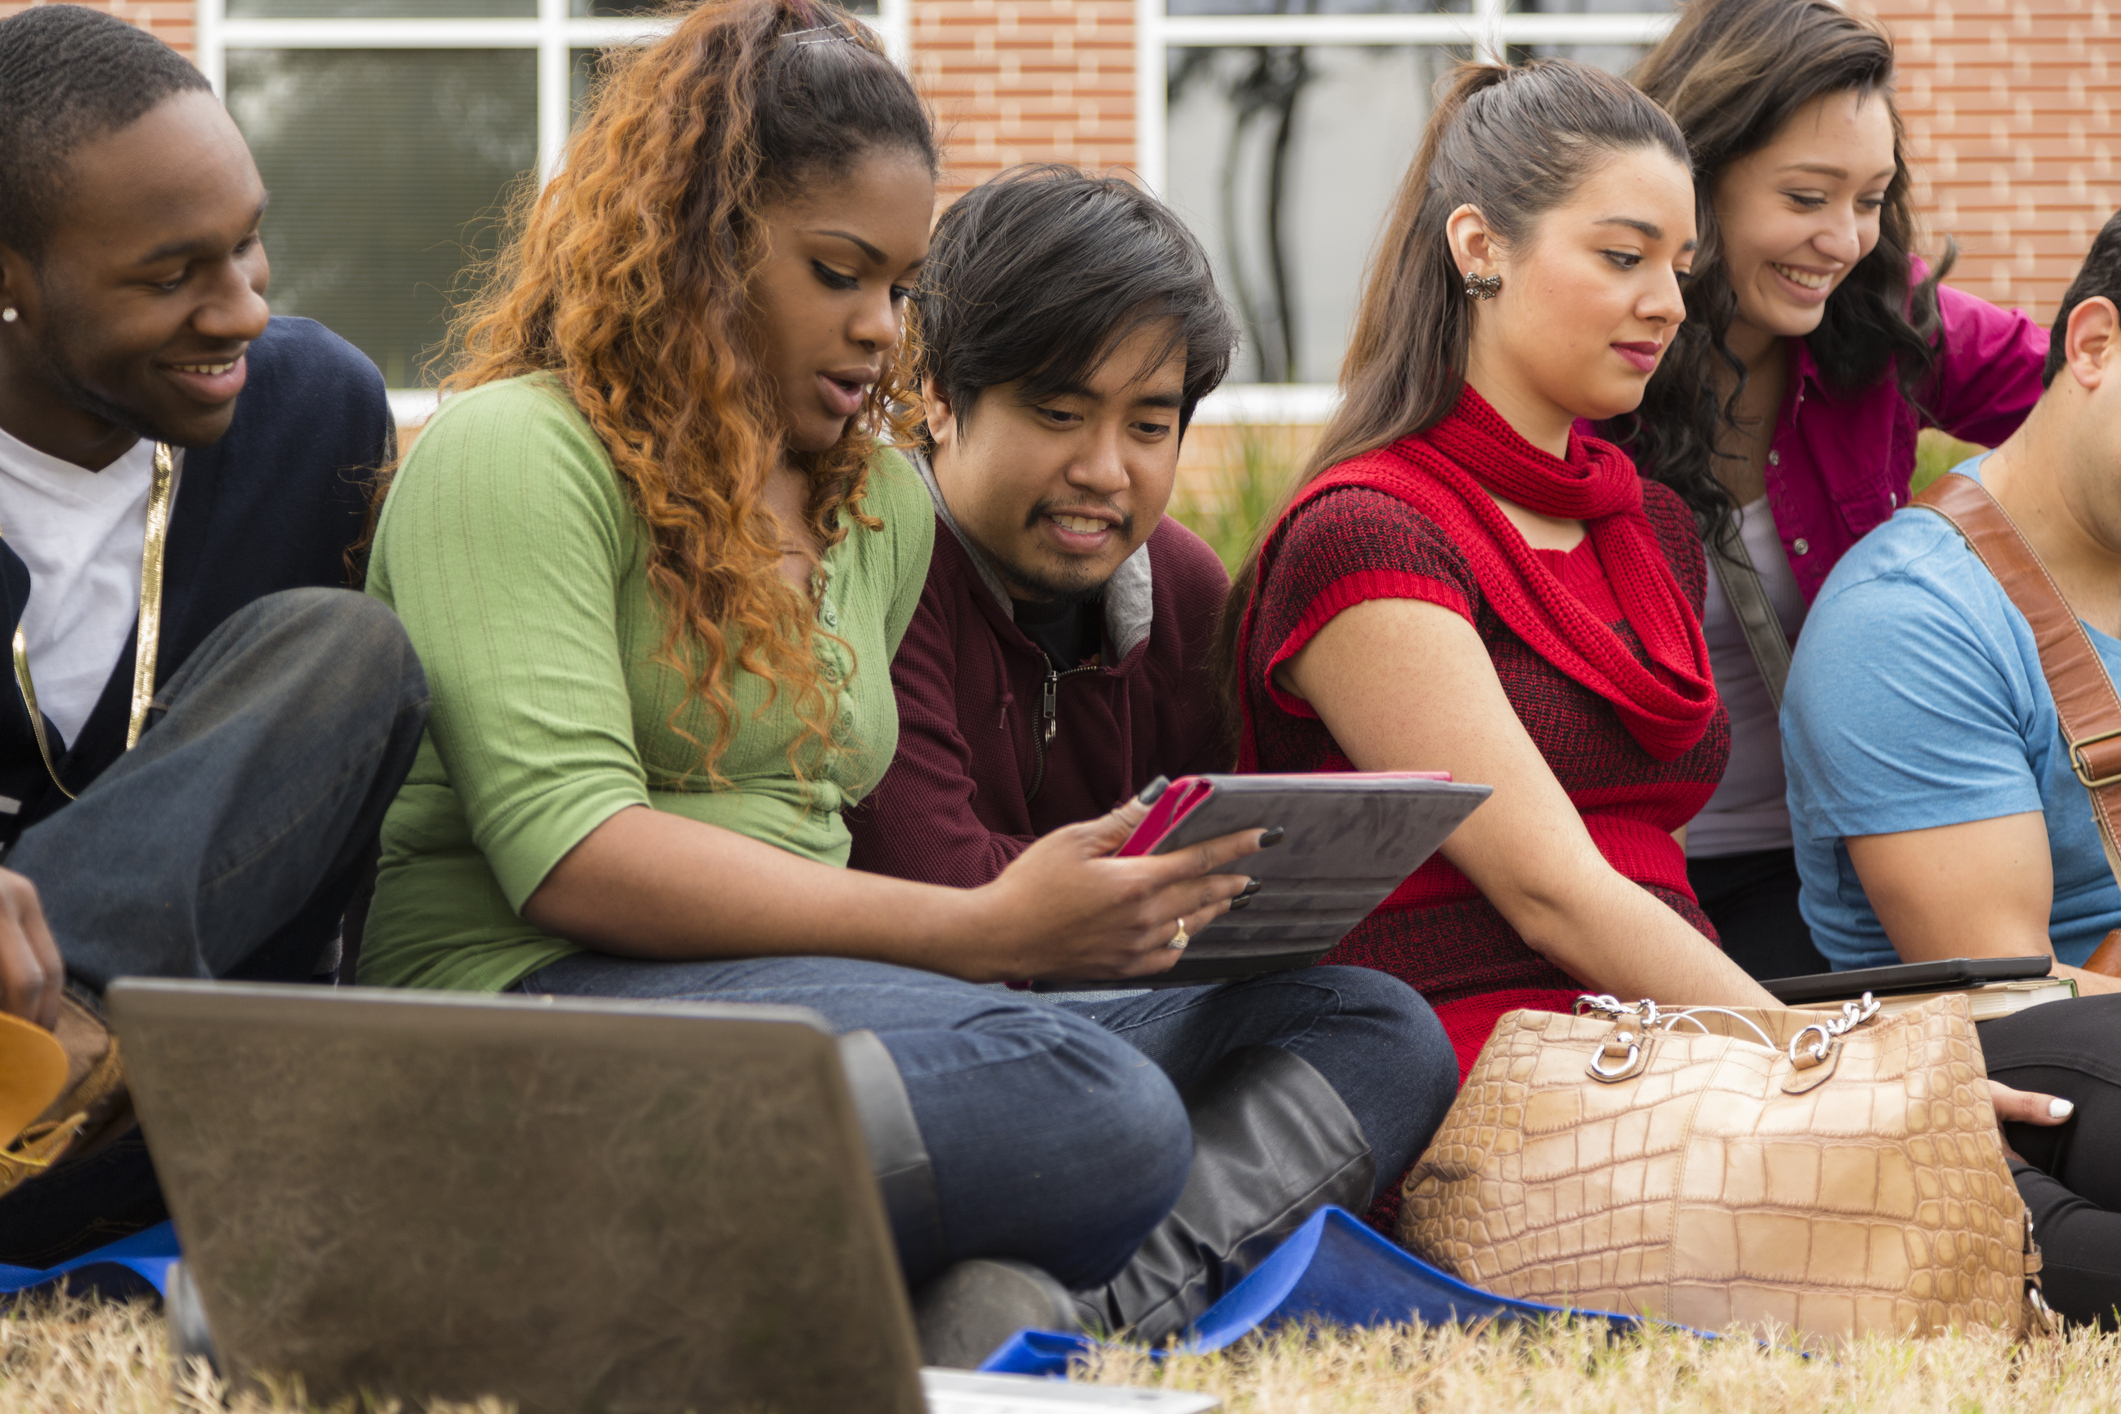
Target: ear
[2091, 342]
[18, 286]
[942, 420]
[1473, 249]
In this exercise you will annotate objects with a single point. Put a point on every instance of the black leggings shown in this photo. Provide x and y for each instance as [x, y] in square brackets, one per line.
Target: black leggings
[2071, 1174]
[1752, 900]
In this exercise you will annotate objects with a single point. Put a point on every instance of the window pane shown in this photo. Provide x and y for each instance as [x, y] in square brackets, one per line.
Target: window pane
[1293, 265]
[1317, 7]
[386, 168]
[1617, 59]
[379, 9]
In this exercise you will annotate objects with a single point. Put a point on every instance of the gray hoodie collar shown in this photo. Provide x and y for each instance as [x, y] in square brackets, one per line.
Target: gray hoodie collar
[1129, 606]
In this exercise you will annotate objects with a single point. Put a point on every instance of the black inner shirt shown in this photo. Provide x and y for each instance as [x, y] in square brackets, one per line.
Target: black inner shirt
[1071, 634]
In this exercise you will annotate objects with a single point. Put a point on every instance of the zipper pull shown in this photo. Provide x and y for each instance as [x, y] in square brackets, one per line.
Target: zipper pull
[1051, 703]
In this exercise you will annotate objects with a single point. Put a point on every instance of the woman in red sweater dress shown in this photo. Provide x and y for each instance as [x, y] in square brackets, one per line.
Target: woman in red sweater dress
[1465, 583]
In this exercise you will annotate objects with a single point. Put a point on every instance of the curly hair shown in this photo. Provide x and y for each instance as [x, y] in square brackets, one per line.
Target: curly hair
[1733, 73]
[628, 275]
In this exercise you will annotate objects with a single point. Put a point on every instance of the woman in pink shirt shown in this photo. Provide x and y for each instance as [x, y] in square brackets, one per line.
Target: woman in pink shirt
[1816, 347]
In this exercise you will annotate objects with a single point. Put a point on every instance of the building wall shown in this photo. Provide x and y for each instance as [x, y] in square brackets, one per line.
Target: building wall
[2009, 107]
[1027, 81]
[171, 20]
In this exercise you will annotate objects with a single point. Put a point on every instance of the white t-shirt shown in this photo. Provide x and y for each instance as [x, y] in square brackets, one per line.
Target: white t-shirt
[1749, 810]
[80, 532]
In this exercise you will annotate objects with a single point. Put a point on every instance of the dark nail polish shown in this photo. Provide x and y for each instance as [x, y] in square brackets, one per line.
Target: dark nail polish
[1241, 901]
[1271, 838]
[1154, 789]
[1251, 887]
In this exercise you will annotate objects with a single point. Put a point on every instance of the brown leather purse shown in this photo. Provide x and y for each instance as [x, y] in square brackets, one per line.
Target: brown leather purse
[1802, 1172]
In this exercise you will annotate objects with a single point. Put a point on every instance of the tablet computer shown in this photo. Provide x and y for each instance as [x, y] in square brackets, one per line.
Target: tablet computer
[1940, 976]
[1349, 839]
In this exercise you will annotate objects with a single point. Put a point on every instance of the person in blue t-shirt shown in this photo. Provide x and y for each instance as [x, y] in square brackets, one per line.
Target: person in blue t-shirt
[1935, 810]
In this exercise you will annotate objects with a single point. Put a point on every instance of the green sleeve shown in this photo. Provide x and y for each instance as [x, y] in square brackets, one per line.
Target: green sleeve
[908, 513]
[502, 548]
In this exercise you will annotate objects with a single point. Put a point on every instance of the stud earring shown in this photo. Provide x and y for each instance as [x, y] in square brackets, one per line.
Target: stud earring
[1482, 286]
[9, 314]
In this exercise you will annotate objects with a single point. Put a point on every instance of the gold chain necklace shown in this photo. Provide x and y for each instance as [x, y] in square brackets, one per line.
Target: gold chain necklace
[150, 626]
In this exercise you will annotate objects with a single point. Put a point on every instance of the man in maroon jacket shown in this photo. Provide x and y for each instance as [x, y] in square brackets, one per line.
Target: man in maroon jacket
[1058, 660]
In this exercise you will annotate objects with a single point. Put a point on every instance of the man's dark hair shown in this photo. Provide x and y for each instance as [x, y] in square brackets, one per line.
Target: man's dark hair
[1037, 275]
[69, 75]
[2100, 274]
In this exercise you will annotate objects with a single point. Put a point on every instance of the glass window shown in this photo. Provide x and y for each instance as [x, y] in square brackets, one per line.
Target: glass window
[387, 169]
[1284, 161]
[380, 9]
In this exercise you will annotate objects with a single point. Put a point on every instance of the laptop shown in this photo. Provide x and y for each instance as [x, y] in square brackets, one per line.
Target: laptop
[572, 1204]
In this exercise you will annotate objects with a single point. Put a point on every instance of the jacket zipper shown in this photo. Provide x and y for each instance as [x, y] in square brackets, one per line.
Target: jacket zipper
[1049, 722]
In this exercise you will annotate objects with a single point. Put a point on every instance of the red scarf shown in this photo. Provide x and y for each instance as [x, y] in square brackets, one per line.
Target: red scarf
[1447, 473]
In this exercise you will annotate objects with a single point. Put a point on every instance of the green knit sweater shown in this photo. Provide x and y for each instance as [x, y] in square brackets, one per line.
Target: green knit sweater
[519, 568]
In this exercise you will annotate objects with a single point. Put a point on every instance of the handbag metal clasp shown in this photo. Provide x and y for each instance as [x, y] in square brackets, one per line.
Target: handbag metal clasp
[1829, 1032]
[1629, 1049]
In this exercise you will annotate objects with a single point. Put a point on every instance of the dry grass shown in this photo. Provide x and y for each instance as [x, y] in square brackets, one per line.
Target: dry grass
[62, 1355]
[1565, 1369]
[67, 1356]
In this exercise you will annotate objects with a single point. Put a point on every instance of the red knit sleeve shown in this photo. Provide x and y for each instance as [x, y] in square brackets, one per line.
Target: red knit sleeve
[1679, 539]
[1345, 547]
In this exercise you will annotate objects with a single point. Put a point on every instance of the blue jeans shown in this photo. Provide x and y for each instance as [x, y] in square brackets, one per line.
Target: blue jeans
[226, 844]
[1055, 1129]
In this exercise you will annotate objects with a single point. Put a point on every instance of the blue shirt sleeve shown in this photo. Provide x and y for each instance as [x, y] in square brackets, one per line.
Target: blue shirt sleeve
[1907, 707]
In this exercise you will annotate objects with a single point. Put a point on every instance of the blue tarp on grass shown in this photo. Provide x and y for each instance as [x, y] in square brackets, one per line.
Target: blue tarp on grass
[1334, 1269]
[131, 1266]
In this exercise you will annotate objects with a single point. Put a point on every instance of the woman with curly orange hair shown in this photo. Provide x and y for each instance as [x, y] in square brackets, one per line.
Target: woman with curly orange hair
[655, 557]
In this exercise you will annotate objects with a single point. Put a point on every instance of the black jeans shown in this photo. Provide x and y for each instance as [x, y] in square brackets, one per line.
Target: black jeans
[2071, 1174]
[224, 845]
[1752, 900]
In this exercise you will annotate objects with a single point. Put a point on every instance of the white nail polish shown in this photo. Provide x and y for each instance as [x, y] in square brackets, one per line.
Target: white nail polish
[2060, 1109]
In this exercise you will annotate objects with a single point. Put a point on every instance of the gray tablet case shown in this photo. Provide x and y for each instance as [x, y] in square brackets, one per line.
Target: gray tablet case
[1350, 839]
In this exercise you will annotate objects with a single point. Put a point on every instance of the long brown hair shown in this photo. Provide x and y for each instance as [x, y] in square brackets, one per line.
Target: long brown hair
[627, 276]
[1514, 142]
[1733, 73]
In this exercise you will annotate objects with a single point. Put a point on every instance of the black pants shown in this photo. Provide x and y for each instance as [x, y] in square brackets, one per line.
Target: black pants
[1752, 900]
[2071, 1174]
[225, 845]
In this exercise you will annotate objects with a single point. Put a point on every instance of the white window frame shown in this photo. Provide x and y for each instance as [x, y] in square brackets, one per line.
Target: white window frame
[552, 32]
[1491, 28]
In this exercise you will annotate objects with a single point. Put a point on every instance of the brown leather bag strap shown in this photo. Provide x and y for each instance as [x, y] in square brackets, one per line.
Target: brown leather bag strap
[2085, 701]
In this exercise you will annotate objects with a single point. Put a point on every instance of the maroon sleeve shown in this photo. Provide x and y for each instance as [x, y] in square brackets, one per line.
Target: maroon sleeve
[919, 822]
[1191, 588]
[1680, 540]
[1339, 550]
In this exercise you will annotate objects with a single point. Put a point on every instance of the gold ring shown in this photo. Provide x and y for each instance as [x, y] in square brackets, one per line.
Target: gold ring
[1178, 943]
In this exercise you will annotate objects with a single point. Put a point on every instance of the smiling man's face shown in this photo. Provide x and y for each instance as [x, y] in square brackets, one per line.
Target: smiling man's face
[1058, 492]
[134, 319]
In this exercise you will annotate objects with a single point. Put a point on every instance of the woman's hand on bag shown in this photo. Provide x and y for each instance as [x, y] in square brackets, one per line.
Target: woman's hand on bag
[2027, 1106]
[1065, 908]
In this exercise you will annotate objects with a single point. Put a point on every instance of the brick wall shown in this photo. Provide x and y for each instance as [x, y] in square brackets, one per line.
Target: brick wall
[1027, 81]
[170, 20]
[2009, 105]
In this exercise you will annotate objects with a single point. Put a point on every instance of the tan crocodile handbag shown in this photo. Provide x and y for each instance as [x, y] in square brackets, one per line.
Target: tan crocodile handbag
[1819, 1174]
